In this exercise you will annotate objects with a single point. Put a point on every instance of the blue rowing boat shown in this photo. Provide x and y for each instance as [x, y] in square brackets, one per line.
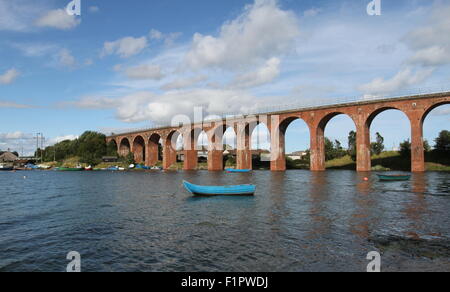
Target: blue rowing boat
[384, 177]
[232, 170]
[239, 190]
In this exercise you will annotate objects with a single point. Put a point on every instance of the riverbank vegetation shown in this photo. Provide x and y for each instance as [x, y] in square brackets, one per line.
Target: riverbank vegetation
[437, 158]
[88, 149]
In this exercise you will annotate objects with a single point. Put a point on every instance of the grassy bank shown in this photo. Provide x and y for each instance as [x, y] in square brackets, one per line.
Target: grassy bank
[392, 160]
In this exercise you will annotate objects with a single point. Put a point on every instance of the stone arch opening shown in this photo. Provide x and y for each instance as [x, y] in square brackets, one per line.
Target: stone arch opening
[332, 142]
[155, 150]
[173, 143]
[436, 132]
[139, 149]
[229, 142]
[202, 147]
[292, 151]
[260, 145]
[396, 139]
[125, 147]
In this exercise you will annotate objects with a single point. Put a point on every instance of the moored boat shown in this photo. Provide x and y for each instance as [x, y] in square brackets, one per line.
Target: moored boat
[6, 168]
[236, 190]
[70, 169]
[398, 177]
[232, 170]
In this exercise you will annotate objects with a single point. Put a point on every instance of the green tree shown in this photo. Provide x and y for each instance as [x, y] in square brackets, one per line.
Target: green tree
[91, 146]
[443, 141]
[111, 149]
[405, 148]
[333, 150]
[426, 146]
[329, 149]
[352, 145]
[378, 146]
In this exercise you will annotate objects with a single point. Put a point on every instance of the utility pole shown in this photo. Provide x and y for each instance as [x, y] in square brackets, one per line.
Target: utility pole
[42, 147]
[37, 146]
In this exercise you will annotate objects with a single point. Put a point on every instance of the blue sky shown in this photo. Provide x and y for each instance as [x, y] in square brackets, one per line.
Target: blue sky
[133, 64]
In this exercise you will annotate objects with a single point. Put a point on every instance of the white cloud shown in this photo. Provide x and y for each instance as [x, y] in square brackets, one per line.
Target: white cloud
[431, 42]
[9, 104]
[18, 141]
[262, 31]
[65, 58]
[312, 12]
[125, 47]
[184, 82]
[9, 76]
[155, 34]
[431, 56]
[59, 139]
[263, 75]
[143, 72]
[18, 15]
[58, 19]
[147, 106]
[401, 80]
[34, 49]
[442, 111]
[168, 39]
[14, 136]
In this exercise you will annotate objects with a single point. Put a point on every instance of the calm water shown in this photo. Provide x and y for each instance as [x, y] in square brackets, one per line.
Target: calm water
[298, 221]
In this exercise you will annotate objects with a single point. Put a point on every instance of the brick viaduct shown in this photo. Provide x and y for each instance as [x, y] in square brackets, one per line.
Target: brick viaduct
[144, 144]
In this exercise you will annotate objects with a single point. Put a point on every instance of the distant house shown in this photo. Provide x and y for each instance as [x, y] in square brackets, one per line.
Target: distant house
[8, 157]
[298, 155]
[109, 158]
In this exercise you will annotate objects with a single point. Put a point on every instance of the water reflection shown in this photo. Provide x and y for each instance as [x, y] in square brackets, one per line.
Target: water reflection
[362, 218]
[318, 197]
[416, 209]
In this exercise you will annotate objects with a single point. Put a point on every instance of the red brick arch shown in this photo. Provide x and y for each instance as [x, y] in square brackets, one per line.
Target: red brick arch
[153, 149]
[278, 139]
[139, 148]
[124, 146]
[169, 148]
